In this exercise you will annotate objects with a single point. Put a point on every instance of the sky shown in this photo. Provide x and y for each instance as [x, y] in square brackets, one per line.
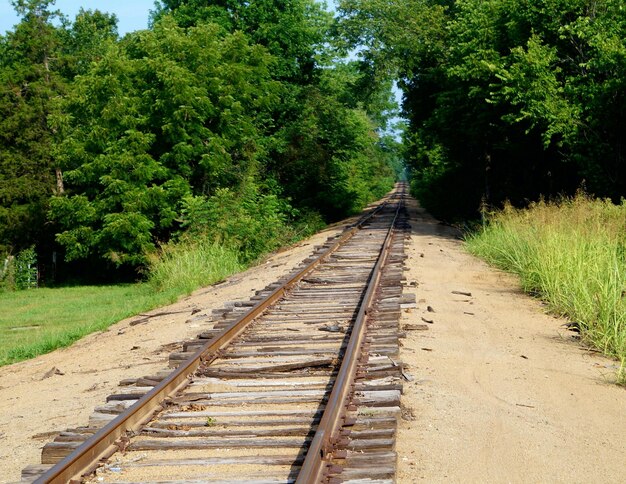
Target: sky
[131, 14]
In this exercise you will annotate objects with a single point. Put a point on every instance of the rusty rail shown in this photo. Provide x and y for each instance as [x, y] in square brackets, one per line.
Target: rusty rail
[320, 450]
[106, 441]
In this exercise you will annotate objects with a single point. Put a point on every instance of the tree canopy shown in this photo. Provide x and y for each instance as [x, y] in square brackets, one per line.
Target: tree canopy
[239, 122]
[506, 99]
[226, 120]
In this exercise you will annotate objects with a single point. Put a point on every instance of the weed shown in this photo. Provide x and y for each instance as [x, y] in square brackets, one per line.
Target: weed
[572, 254]
[189, 265]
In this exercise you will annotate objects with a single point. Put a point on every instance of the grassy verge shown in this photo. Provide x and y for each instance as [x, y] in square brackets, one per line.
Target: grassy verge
[572, 254]
[183, 267]
[37, 321]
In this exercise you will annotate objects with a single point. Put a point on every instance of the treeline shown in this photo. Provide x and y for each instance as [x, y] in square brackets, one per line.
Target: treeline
[505, 99]
[231, 121]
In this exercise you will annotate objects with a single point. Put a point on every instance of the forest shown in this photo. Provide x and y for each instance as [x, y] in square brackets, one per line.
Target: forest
[505, 99]
[238, 123]
[249, 124]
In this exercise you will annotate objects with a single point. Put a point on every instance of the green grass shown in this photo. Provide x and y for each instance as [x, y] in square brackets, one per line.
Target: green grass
[188, 265]
[572, 254]
[37, 321]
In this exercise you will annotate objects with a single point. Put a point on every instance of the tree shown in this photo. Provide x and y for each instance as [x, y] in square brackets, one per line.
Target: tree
[293, 31]
[30, 85]
[168, 113]
[505, 99]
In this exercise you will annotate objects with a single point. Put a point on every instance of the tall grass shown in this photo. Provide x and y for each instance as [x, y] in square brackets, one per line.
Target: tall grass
[187, 265]
[572, 254]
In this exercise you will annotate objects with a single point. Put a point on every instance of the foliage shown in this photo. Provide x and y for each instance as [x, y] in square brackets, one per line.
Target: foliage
[506, 99]
[26, 269]
[250, 222]
[293, 32]
[183, 267]
[572, 254]
[20, 271]
[237, 111]
[173, 110]
[29, 83]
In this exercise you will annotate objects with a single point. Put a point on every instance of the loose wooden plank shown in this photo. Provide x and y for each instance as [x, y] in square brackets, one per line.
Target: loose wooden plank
[312, 363]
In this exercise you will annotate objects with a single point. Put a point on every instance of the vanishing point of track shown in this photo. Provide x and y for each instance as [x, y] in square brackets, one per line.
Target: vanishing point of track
[300, 384]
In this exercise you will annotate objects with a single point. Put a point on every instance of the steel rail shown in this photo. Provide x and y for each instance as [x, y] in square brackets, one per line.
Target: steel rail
[105, 442]
[321, 447]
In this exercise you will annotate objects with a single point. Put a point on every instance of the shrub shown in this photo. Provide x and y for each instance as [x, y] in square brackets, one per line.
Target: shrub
[19, 272]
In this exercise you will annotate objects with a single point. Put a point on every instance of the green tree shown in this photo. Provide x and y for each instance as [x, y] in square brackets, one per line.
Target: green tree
[168, 113]
[505, 98]
[30, 84]
[293, 31]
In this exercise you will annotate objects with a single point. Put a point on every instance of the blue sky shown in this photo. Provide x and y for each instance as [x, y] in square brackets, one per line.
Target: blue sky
[131, 14]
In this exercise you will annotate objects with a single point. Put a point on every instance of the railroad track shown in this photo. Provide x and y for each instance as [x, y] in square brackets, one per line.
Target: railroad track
[300, 384]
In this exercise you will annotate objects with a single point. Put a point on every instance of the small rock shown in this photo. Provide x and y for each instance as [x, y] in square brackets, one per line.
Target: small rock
[52, 371]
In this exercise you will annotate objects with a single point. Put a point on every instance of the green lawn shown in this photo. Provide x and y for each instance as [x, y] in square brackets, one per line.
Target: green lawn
[37, 321]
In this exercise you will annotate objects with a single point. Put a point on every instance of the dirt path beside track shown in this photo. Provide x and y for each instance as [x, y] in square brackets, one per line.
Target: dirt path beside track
[501, 393]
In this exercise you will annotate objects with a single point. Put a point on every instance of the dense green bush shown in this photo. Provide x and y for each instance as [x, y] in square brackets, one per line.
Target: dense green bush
[250, 222]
